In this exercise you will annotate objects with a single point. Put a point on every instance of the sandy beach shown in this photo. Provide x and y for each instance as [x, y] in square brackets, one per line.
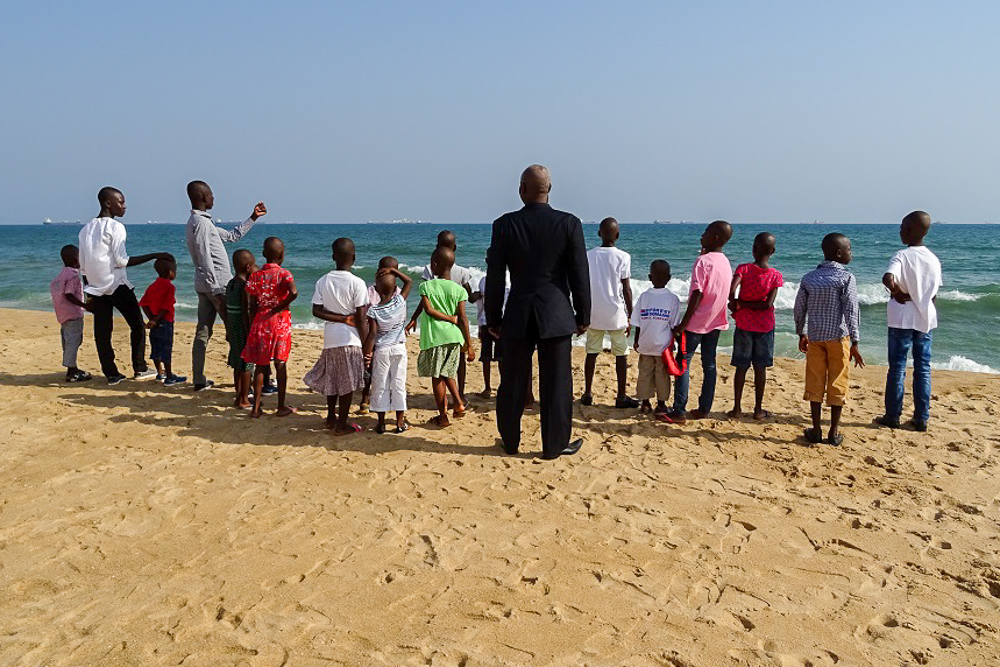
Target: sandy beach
[144, 525]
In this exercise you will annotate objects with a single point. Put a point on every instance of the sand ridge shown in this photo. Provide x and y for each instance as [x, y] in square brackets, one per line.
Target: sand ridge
[143, 525]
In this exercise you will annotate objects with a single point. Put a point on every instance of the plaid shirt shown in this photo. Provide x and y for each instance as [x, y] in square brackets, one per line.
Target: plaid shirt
[828, 295]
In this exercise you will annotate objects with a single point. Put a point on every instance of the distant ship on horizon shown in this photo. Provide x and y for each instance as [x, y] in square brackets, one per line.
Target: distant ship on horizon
[48, 221]
[401, 221]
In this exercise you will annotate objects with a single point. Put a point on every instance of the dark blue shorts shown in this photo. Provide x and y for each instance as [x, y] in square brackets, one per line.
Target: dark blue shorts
[753, 348]
[161, 342]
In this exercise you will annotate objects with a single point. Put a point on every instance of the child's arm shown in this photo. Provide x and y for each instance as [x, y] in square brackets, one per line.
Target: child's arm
[153, 320]
[635, 343]
[438, 315]
[733, 286]
[368, 342]
[766, 304]
[627, 294]
[463, 324]
[412, 324]
[475, 296]
[404, 291]
[362, 324]
[245, 310]
[799, 312]
[321, 313]
[895, 291]
[287, 301]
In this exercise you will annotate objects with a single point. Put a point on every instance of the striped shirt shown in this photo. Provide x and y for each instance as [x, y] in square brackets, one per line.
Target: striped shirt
[390, 318]
[828, 299]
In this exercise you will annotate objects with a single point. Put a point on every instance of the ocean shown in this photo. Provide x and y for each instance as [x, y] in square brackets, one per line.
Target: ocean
[968, 305]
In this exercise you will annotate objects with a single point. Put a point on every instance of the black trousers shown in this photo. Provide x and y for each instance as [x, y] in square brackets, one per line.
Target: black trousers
[555, 388]
[123, 300]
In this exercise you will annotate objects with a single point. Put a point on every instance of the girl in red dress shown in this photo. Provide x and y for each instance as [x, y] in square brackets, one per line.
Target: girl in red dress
[270, 290]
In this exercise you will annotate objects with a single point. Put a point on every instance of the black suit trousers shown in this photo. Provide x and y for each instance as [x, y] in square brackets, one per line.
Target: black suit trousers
[555, 388]
[123, 300]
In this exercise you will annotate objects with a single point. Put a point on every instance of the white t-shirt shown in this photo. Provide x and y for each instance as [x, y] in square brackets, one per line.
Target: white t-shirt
[918, 272]
[340, 292]
[459, 274]
[656, 313]
[102, 256]
[608, 268]
[481, 304]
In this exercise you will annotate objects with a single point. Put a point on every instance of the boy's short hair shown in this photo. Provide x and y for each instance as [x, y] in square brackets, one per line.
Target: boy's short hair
[388, 262]
[443, 257]
[68, 252]
[385, 284]
[164, 266]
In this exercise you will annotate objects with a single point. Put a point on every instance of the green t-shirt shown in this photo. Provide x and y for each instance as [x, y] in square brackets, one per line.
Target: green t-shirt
[444, 297]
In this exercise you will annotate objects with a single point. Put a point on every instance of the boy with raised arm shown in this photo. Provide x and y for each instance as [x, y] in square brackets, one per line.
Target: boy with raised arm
[913, 279]
[753, 312]
[704, 318]
[828, 302]
[385, 347]
[610, 310]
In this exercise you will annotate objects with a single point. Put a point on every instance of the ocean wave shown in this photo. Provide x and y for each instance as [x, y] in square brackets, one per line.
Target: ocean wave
[314, 325]
[959, 363]
[956, 295]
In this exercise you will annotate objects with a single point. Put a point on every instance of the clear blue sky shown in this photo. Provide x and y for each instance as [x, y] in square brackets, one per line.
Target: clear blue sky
[343, 112]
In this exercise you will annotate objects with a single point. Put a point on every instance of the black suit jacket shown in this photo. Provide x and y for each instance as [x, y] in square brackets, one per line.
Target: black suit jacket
[544, 250]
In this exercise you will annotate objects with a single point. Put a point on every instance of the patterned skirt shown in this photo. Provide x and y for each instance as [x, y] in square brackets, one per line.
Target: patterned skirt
[440, 361]
[339, 371]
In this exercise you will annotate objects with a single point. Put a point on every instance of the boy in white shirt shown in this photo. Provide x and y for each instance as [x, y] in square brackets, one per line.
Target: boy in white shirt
[913, 279]
[610, 311]
[656, 313]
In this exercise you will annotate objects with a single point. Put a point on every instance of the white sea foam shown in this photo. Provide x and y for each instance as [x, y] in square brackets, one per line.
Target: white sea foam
[959, 363]
[956, 295]
[312, 325]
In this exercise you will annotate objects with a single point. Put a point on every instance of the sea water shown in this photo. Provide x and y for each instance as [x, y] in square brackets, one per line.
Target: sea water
[968, 304]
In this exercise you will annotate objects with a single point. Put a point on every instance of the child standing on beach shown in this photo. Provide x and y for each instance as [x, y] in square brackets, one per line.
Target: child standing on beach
[913, 279]
[238, 324]
[704, 318]
[656, 313]
[341, 300]
[444, 330]
[386, 347]
[158, 305]
[374, 299]
[828, 301]
[753, 312]
[67, 300]
[270, 291]
[611, 310]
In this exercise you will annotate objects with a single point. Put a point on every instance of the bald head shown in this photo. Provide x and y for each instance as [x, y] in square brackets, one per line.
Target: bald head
[447, 239]
[242, 260]
[200, 195]
[105, 194]
[836, 248]
[343, 253]
[608, 231]
[274, 250]
[914, 228]
[536, 183]
[763, 245]
[716, 235]
[442, 260]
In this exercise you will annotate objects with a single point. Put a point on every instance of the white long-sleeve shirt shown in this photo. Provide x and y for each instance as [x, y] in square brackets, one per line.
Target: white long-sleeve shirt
[102, 256]
[205, 240]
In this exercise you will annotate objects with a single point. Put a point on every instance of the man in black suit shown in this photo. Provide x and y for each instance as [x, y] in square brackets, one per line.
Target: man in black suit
[544, 250]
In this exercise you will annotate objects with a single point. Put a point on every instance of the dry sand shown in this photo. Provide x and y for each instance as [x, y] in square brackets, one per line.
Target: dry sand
[143, 525]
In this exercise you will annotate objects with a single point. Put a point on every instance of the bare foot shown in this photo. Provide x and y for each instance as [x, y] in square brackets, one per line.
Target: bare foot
[485, 393]
[761, 415]
[284, 412]
[734, 414]
[458, 413]
[347, 430]
[256, 413]
[441, 421]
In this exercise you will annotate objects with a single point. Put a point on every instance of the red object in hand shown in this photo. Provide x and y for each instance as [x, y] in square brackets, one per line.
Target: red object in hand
[668, 358]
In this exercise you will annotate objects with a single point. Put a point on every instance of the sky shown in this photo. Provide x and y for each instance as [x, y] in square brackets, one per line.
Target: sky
[356, 111]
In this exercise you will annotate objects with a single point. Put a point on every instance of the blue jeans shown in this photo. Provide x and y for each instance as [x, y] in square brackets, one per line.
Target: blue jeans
[900, 342]
[708, 342]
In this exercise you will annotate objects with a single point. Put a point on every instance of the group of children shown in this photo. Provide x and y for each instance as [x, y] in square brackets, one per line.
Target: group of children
[365, 328]
[827, 321]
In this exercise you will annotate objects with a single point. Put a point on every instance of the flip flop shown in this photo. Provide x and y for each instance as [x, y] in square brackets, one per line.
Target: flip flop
[80, 376]
[663, 417]
[836, 440]
[764, 414]
[813, 436]
[354, 428]
[402, 429]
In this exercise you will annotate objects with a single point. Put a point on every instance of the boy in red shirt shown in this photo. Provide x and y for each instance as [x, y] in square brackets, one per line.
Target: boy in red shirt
[753, 312]
[158, 304]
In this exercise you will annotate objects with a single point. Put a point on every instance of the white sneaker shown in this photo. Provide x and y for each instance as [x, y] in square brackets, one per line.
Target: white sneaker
[145, 375]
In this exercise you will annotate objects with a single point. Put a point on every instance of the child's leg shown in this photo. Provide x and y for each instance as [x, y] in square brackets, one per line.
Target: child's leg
[456, 396]
[401, 420]
[619, 348]
[739, 380]
[380, 427]
[462, 363]
[589, 366]
[621, 370]
[331, 411]
[366, 392]
[242, 388]
[258, 385]
[440, 400]
[281, 372]
[709, 343]
[835, 412]
[344, 411]
[488, 385]
[759, 381]
[816, 411]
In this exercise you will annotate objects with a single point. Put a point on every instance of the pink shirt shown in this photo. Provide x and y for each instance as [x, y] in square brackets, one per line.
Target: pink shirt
[755, 284]
[67, 282]
[712, 276]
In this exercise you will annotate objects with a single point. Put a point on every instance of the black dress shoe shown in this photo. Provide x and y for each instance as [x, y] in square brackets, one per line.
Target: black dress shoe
[571, 448]
[512, 451]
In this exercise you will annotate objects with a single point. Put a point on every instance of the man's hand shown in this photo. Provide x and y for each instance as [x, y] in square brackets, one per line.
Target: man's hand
[856, 356]
[495, 332]
[803, 344]
[901, 297]
[258, 210]
[88, 305]
[581, 329]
